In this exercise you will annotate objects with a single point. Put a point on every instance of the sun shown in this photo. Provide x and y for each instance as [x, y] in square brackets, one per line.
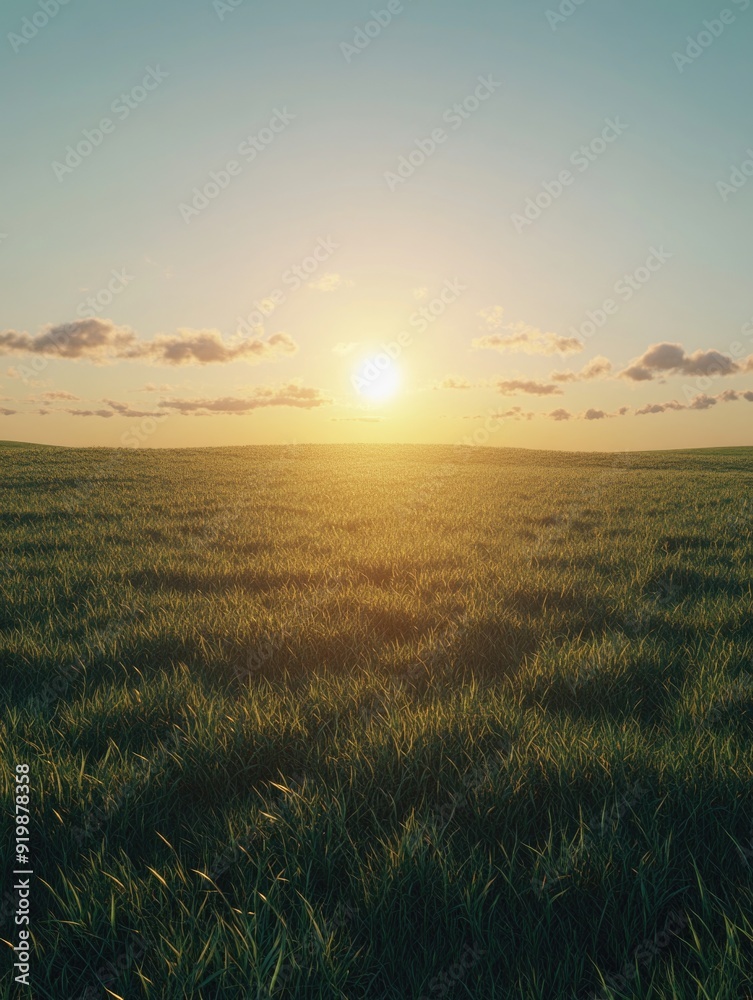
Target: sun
[376, 379]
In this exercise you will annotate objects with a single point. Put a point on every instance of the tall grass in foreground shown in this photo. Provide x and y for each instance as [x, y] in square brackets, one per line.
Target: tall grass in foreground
[381, 722]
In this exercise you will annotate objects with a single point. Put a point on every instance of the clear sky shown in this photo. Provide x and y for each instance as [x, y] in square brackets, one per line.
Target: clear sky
[216, 215]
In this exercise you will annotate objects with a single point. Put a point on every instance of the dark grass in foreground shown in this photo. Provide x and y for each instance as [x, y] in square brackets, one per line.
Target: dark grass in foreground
[381, 722]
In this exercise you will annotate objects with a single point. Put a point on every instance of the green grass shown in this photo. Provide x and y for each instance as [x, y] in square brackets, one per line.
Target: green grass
[381, 722]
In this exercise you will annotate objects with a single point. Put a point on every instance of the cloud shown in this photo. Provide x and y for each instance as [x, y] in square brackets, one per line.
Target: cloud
[116, 409]
[514, 413]
[101, 341]
[91, 338]
[293, 394]
[151, 387]
[598, 367]
[345, 347]
[454, 382]
[330, 283]
[7, 413]
[659, 408]
[528, 340]
[506, 387]
[591, 414]
[91, 413]
[523, 387]
[703, 402]
[671, 359]
[700, 402]
[492, 317]
[59, 394]
[206, 347]
[126, 410]
[363, 420]
[22, 375]
[596, 415]
[522, 337]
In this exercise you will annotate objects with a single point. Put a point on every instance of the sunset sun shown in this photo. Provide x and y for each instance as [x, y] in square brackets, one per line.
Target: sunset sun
[377, 379]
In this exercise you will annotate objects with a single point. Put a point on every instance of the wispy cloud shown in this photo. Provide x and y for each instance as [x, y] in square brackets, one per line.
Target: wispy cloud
[55, 395]
[529, 341]
[126, 410]
[514, 413]
[599, 367]
[454, 382]
[152, 387]
[293, 394]
[506, 387]
[700, 402]
[23, 376]
[492, 317]
[521, 337]
[525, 387]
[91, 413]
[330, 283]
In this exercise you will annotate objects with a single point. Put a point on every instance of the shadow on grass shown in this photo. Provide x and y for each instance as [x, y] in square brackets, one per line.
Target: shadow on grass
[187, 581]
[642, 691]
[675, 585]
[24, 518]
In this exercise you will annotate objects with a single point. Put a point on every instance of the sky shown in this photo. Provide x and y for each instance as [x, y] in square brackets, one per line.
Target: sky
[522, 224]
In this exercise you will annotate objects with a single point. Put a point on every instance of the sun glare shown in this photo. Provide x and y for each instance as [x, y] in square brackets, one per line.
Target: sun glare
[377, 379]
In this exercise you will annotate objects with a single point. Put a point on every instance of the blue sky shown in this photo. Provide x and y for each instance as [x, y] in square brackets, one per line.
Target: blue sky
[225, 73]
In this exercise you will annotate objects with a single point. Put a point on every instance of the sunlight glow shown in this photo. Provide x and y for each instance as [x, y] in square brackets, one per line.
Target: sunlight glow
[377, 379]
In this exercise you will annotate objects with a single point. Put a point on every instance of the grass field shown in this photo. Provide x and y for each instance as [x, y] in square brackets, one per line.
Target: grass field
[380, 722]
